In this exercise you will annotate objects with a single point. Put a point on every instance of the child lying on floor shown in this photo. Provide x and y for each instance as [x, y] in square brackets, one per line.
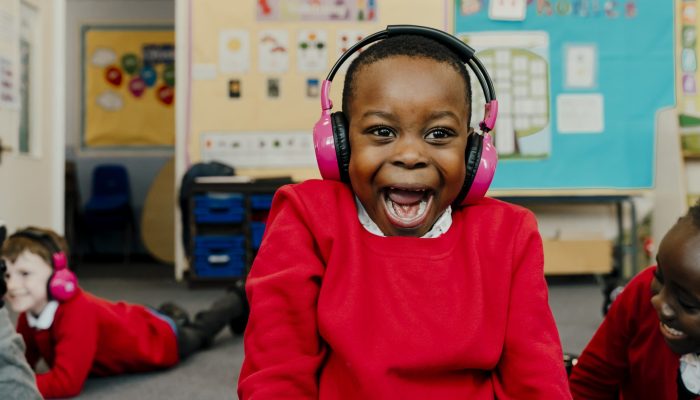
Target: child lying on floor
[79, 334]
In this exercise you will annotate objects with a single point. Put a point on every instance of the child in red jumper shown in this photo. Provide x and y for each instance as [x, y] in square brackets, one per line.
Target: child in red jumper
[387, 287]
[79, 334]
[647, 347]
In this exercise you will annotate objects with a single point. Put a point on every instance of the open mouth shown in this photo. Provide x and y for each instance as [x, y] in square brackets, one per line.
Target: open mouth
[407, 208]
[670, 333]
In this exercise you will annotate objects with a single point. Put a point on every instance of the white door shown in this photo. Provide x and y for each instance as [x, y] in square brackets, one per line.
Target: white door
[32, 130]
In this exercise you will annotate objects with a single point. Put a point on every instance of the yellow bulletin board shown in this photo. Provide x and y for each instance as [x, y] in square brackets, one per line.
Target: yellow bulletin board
[128, 77]
[255, 70]
[687, 75]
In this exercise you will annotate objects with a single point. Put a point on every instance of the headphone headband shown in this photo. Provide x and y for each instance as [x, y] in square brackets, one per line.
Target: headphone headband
[456, 46]
[41, 237]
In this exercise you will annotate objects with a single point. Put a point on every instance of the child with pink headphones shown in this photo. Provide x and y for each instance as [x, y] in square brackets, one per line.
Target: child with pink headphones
[394, 277]
[79, 334]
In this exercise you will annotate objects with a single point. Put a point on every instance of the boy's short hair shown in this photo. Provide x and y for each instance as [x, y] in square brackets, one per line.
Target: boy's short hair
[413, 46]
[694, 213]
[13, 247]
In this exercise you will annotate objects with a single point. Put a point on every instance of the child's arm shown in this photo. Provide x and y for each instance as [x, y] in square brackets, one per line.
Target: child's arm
[31, 352]
[75, 346]
[16, 378]
[531, 365]
[603, 364]
[283, 349]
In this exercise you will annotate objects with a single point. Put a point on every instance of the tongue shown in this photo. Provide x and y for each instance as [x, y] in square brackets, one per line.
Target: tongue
[405, 197]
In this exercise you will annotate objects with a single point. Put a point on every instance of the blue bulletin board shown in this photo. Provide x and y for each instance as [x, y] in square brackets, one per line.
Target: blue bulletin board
[579, 84]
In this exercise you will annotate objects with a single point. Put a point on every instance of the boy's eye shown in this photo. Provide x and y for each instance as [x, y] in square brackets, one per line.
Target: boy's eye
[382, 131]
[439, 134]
[658, 276]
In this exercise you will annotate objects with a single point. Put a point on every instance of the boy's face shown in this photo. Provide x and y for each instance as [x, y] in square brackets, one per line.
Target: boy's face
[27, 280]
[676, 288]
[408, 135]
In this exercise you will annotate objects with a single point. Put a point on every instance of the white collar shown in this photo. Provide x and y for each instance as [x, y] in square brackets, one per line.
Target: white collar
[690, 372]
[45, 319]
[441, 225]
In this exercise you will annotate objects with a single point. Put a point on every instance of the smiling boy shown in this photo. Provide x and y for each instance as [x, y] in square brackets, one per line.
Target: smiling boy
[388, 287]
[647, 347]
[79, 334]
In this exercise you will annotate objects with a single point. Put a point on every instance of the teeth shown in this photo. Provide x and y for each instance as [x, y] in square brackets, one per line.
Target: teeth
[672, 331]
[394, 208]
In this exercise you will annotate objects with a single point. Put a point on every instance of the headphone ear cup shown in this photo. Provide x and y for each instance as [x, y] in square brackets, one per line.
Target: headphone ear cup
[62, 284]
[472, 155]
[482, 159]
[342, 144]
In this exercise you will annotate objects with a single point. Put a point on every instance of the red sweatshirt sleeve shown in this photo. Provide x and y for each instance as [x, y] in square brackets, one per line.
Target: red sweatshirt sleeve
[283, 349]
[75, 338]
[31, 352]
[532, 364]
[604, 363]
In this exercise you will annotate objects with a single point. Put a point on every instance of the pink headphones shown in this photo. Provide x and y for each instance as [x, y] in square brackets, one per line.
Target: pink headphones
[331, 131]
[62, 283]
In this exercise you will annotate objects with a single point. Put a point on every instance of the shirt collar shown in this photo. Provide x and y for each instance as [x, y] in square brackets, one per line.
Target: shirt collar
[690, 372]
[45, 319]
[441, 225]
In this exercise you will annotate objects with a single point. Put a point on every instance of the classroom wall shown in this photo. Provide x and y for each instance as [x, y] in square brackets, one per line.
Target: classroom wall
[143, 165]
[206, 108]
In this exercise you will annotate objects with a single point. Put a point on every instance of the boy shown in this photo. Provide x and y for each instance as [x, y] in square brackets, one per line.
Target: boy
[385, 288]
[79, 334]
[647, 347]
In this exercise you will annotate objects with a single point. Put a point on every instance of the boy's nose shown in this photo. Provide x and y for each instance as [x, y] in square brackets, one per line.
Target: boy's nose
[409, 154]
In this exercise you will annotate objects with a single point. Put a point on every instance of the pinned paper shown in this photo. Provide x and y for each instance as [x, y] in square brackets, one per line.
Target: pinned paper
[507, 10]
[273, 51]
[234, 51]
[312, 50]
[580, 113]
[580, 66]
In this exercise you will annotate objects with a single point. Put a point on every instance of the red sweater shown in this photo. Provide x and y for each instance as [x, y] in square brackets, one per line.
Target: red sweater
[90, 335]
[628, 357]
[339, 313]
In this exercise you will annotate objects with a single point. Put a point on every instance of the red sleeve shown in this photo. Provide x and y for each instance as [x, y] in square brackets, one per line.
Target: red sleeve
[604, 362]
[283, 349]
[31, 352]
[531, 366]
[75, 335]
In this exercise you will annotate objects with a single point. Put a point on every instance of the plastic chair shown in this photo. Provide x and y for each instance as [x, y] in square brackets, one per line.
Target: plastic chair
[109, 206]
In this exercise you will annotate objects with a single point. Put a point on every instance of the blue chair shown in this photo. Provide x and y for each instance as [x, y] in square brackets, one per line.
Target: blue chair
[109, 206]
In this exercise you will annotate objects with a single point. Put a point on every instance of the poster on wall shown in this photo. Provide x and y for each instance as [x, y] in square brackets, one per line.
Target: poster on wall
[273, 50]
[572, 112]
[688, 77]
[316, 10]
[28, 51]
[312, 50]
[128, 86]
[519, 66]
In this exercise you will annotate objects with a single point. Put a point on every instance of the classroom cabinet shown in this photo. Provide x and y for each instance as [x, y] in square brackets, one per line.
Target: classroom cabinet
[227, 217]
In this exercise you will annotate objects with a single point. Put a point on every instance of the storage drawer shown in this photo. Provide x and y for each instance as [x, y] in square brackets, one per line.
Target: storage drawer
[219, 256]
[261, 201]
[218, 208]
[256, 234]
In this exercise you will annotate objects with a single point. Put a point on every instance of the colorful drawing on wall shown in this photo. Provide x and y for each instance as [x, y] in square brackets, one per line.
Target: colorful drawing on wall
[273, 50]
[129, 86]
[234, 51]
[317, 10]
[312, 50]
[344, 40]
[687, 76]
[519, 66]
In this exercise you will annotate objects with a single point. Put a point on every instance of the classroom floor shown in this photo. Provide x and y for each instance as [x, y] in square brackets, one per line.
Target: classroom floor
[212, 374]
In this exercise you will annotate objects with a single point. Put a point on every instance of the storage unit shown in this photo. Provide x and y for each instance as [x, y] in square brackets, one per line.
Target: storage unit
[227, 221]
